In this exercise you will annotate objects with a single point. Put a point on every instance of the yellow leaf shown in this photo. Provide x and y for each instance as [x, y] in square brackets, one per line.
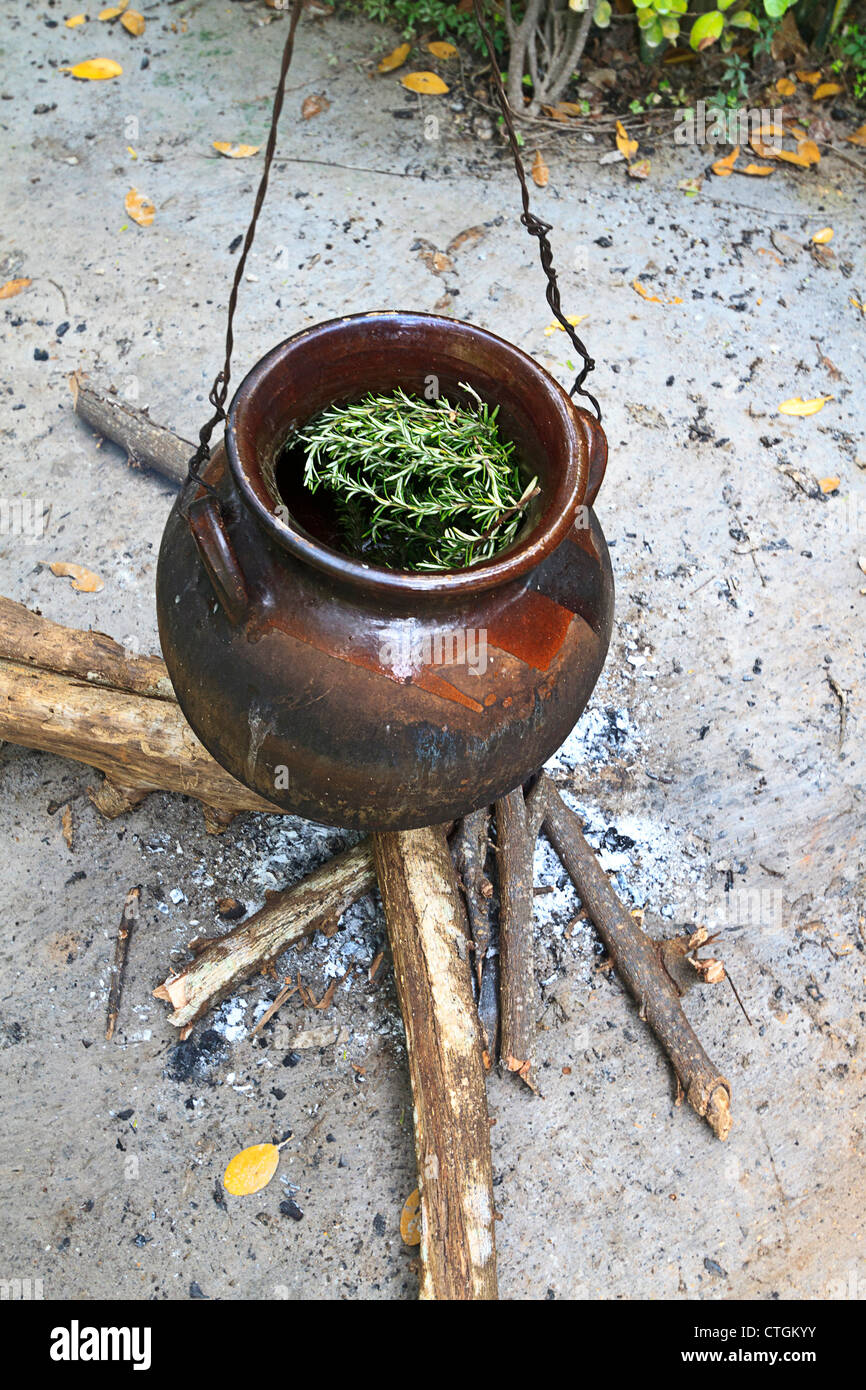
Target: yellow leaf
[626, 146]
[859, 136]
[568, 108]
[725, 167]
[797, 406]
[540, 171]
[821, 238]
[235, 151]
[112, 11]
[809, 77]
[764, 151]
[767, 131]
[785, 87]
[138, 207]
[808, 150]
[395, 59]
[790, 157]
[85, 581]
[573, 319]
[757, 170]
[74, 20]
[641, 170]
[442, 50]
[829, 484]
[95, 69]
[133, 23]
[429, 84]
[410, 1219]
[653, 298]
[251, 1169]
[826, 89]
[13, 287]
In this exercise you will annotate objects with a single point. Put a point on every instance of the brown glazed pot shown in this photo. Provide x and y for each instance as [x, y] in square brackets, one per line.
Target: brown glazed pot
[368, 697]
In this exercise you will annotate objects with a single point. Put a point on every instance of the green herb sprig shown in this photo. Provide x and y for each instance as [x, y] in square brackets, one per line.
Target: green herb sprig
[419, 485]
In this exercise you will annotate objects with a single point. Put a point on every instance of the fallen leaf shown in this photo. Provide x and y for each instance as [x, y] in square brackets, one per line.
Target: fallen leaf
[429, 84]
[314, 105]
[626, 146]
[133, 23]
[653, 298]
[821, 238]
[95, 70]
[410, 1219]
[540, 171]
[442, 50]
[809, 77]
[826, 89]
[112, 11]
[555, 327]
[235, 151]
[66, 826]
[725, 167]
[829, 484]
[641, 170]
[251, 1169]
[766, 131]
[859, 136]
[462, 238]
[74, 20]
[138, 208]
[785, 87]
[757, 170]
[396, 59]
[791, 157]
[569, 108]
[85, 581]
[13, 287]
[797, 406]
[808, 150]
[691, 187]
[761, 150]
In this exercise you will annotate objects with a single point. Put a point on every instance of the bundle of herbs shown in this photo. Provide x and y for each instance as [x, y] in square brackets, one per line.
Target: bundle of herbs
[417, 484]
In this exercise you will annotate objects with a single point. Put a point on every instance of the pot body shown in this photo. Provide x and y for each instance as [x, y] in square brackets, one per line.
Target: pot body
[359, 697]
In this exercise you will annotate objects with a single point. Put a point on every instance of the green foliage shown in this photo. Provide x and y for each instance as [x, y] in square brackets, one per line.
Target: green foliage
[419, 485]
[851, 47]
[437, 15]
[729, 26]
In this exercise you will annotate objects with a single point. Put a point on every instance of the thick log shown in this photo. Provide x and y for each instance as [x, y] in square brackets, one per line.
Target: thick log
[142, 744]
[144, 440]
[286, 918]
[443, 1040]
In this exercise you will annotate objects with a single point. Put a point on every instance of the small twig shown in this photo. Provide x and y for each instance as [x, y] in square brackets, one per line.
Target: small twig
[517, 966]
[128, 919]
[637, 961]
[469, 850]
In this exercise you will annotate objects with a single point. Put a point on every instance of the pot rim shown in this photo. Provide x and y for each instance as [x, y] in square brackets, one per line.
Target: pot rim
[553, 526]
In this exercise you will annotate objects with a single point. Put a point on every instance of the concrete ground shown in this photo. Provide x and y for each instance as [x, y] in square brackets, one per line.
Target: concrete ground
[720, 765]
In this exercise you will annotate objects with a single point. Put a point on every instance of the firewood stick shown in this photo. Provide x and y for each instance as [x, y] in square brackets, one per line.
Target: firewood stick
[32, 640]
[142, 744]
[297, 912]
[128, 919]
[144, 440]
[514, 853]
[452, 1132]
[469, 851]
[637, 961]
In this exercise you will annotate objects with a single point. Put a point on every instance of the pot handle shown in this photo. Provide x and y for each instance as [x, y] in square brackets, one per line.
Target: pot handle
[218, 556]
[596, 441]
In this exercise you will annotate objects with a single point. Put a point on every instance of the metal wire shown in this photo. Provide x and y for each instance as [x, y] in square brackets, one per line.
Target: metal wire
[534, 225]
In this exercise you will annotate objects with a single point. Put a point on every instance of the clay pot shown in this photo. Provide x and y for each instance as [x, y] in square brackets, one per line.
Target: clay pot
[366, 697]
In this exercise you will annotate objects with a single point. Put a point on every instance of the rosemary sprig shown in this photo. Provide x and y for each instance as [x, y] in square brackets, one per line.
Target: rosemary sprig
[419, 485]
